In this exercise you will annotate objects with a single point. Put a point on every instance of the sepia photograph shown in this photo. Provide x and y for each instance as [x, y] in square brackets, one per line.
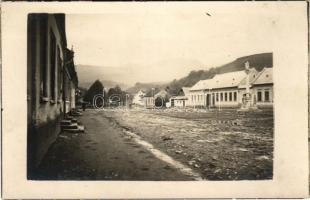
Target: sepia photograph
[154, 100]
[107, 103]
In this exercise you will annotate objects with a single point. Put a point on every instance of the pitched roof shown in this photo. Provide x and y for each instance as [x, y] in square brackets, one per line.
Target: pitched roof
[202, 85]
[231, 79]
[161, 93]
[252, 76]
[186, 90]
[264, 77]
[151, 93]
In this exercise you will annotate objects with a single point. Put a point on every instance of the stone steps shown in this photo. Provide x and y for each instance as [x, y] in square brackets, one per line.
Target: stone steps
[78, 129]
[76, 112]
[71, 124]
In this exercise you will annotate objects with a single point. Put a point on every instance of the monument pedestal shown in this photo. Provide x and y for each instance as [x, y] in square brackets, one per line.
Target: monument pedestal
[247, 104]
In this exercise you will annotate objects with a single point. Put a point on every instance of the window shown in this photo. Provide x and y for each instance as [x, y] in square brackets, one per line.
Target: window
[235, 96]
[221, 96]
[267, 95]
[52, 65]
[230, 96]
[217, 96]
[259, 96]
[225, 96]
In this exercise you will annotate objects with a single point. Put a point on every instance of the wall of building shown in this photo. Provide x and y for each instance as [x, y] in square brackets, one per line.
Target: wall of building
[226, 98]
[149, 102]
[196, 98]
[179, 102]
[45, 106]
[138, 99]
[263, 95]
[215, 98]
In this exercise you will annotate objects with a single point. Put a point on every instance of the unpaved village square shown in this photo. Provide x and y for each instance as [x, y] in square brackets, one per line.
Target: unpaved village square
[202, 145]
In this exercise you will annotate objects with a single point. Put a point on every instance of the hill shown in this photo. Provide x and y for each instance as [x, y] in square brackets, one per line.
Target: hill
[258, 61]
[145, 87]
[88, 74]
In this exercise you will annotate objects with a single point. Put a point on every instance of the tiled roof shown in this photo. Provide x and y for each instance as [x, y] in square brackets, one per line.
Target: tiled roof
[264, 77]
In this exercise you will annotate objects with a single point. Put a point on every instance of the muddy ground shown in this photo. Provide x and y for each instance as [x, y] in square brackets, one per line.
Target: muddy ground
[216, 145]
[220, 145]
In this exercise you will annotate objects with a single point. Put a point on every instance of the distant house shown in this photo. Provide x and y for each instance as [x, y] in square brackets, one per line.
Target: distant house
[156, 98]
[148, 99]
[138, 98]
[161, 98]
[180, 100]
[230, 89]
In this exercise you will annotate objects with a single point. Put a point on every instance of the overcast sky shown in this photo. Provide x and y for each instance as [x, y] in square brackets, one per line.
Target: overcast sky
[161, 46]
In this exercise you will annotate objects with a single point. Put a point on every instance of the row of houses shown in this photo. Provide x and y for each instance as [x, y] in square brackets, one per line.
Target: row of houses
[51, 83]
[247, 88]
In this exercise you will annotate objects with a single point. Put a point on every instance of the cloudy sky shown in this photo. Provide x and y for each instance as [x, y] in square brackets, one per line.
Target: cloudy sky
[163, 44]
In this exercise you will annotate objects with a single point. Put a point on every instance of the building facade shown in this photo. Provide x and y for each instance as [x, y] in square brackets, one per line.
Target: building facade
[230, 90]
[51, 83]
[138, 98]
[262, 88]
[181, 100]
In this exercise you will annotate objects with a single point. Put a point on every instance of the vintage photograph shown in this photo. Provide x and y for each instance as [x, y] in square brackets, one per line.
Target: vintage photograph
[150, 97]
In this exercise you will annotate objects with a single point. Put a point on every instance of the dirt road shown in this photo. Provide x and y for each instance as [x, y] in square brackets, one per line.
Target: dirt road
[103, 152]
[122, 144]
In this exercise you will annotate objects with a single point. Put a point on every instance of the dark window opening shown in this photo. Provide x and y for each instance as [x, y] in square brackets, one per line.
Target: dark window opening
[259, 96]
[267, 96]
[230, 96]
[235, 96]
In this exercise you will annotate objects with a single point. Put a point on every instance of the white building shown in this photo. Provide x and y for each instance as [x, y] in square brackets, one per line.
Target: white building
[138, 98]
[262, 88]
[229, 90]
[181, 100]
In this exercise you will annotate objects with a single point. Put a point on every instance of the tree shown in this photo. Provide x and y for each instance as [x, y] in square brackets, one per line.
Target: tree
[95, 89]
[117, 96]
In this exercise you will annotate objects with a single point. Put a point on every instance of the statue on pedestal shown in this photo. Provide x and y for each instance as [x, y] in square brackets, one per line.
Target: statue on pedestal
[247, 103]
